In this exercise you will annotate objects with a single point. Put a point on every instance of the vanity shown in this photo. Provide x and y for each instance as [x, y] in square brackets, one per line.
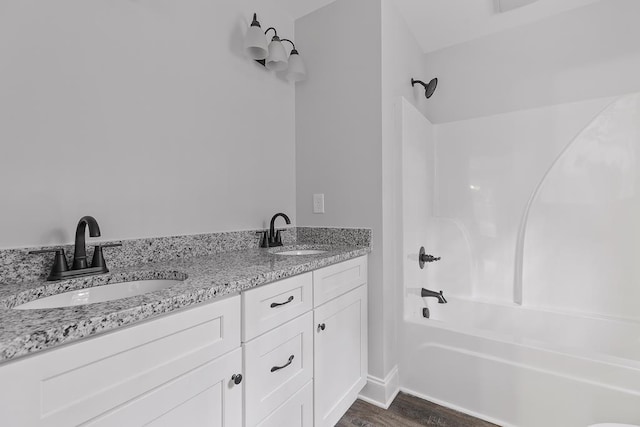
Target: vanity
[261, 340]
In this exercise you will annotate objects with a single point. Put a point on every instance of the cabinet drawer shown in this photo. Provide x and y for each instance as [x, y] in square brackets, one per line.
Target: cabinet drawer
[277, 365]
[338, 279]
[295, 412]
[269, 306]
[74, 383]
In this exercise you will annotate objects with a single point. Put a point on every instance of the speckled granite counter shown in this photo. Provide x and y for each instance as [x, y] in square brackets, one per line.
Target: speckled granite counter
[24, 332]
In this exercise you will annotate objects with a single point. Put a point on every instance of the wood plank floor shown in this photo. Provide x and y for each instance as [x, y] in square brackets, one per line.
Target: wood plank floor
[407, 411]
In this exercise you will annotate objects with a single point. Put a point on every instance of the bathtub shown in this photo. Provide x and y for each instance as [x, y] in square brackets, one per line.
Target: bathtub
[520, 366]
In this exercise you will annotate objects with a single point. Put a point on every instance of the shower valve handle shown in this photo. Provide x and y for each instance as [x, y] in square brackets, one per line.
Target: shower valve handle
[424, 257]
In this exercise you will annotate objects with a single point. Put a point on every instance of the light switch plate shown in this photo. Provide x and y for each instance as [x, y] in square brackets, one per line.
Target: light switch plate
[318, 203]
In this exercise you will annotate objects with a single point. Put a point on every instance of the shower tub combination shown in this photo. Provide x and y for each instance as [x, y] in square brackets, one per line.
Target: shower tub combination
[565, 349]
[519, 366]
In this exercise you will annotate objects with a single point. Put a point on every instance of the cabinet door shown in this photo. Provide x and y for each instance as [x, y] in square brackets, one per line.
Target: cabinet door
[340, 355]
[76, 383]
[204, 397]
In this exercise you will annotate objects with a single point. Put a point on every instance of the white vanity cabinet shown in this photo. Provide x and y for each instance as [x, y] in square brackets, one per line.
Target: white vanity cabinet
[305, 346]
[173, 370]
[340, 341]
[290, 353]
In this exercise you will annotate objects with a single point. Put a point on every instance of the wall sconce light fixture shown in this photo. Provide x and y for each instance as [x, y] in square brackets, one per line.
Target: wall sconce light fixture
[273, 55]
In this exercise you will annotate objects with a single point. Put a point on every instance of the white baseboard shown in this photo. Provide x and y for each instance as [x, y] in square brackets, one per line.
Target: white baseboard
[381, 392]
[455, 407]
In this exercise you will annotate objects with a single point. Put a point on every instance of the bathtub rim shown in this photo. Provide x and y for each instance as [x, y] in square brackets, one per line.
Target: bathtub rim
[564, 350]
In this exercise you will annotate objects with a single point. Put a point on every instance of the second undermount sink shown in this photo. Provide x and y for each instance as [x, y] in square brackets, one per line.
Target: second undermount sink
[98, 294]
[301, 252]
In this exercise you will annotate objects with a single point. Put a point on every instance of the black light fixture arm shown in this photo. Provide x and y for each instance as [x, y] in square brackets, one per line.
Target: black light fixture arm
[294, 51]
[275, 32]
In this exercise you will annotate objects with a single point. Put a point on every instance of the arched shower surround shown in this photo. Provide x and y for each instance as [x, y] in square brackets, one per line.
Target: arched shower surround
[540, 265]
[579, 242]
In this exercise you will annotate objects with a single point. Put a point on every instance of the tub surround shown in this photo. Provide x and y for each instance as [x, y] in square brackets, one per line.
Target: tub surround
[212, 265]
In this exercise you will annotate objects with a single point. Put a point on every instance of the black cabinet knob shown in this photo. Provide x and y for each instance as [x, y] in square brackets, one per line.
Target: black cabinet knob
[321, 327]
[236, 378]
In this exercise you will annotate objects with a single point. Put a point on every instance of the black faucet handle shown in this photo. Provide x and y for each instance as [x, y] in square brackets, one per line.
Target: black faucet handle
[59, 262]
[424, 257]
[264, 239]
[98, 256]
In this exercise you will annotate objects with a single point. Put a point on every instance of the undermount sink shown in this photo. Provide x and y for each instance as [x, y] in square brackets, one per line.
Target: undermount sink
[301, 252]
[98, 294]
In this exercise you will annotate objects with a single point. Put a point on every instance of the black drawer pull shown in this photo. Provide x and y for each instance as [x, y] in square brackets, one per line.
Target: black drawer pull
[278, 304]
[236, 378]
[321, 327]
[277, 368]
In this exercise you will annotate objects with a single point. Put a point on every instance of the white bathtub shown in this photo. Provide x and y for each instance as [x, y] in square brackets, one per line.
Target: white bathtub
[518, 366]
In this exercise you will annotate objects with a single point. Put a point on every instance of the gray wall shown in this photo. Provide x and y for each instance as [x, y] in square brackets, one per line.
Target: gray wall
[361, 60]
[146, 115]
[338, 132]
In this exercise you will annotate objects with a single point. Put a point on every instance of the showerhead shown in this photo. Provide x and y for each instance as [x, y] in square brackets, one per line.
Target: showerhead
[429, 88]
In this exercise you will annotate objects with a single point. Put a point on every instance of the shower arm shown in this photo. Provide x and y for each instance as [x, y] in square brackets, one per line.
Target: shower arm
[414, 81]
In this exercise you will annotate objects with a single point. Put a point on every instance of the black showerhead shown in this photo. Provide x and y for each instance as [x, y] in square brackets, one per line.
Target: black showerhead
[428, 88]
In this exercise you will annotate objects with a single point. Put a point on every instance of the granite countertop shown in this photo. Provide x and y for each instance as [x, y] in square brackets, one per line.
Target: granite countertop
[24, 332]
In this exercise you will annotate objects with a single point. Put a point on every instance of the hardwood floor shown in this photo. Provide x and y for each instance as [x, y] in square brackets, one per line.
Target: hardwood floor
[407, 411]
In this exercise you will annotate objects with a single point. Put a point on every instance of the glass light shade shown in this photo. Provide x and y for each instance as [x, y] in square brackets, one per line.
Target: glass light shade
[255, 43]
[277, 59]
[296, 71]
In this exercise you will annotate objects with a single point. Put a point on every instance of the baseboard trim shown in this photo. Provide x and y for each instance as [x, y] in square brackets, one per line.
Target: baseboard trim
[456, 407]
[381, 392]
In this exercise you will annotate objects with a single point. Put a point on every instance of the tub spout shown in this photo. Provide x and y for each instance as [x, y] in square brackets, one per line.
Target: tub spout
[438, 295]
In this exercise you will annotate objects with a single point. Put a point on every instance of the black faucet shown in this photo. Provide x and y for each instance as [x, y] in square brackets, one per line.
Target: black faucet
[80, 267]
[273, 238]
[80, 249]
[438, 295]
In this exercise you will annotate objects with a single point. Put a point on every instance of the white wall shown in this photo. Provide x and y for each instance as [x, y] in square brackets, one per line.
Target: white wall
[143, 114]
[582, 54]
